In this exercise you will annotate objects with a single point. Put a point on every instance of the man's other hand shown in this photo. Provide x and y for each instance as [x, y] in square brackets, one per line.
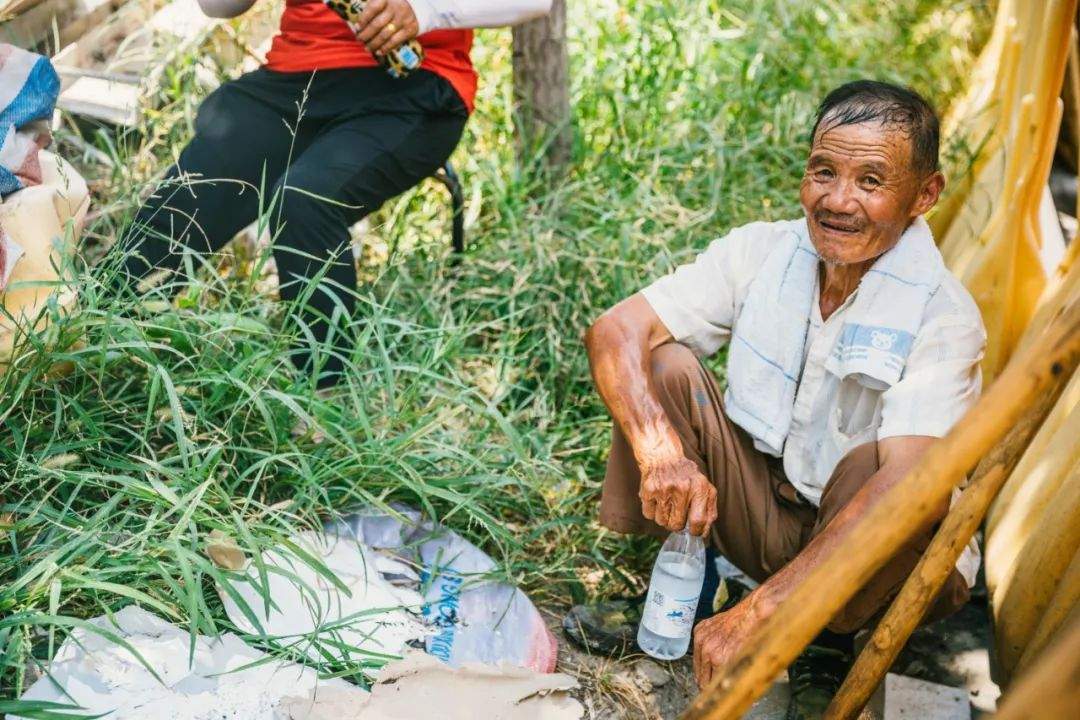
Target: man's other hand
[675, 493]
[386, 24]
[719, 639]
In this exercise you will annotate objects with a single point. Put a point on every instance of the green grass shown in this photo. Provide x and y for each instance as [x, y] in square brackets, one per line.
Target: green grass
[469, 391]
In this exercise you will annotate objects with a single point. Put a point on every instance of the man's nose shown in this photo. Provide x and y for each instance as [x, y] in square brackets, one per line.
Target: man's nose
[840, 199]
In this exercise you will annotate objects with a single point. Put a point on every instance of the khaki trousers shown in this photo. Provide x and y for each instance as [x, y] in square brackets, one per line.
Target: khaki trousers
[762, 522]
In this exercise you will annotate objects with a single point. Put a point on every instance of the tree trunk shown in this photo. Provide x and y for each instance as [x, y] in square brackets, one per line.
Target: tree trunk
[541, 88]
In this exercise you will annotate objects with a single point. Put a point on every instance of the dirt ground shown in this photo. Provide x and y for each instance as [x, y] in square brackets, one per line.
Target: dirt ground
[950, 652]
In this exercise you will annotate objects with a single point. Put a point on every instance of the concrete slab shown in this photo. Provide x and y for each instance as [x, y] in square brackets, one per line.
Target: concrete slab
[907, 698]
[899, 698]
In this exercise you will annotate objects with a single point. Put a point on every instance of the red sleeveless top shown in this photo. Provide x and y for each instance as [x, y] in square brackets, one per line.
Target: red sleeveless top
[313, 37]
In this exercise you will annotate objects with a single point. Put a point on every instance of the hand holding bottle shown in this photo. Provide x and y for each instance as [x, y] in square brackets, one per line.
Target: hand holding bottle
[667, 619]
[386, 24]
[676, 495]
[388, 28]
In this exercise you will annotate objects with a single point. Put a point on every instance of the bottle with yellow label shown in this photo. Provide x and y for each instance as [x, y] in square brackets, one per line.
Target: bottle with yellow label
[402, 60]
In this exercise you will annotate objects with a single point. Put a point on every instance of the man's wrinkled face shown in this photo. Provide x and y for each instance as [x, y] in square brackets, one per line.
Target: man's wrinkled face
[861, 190]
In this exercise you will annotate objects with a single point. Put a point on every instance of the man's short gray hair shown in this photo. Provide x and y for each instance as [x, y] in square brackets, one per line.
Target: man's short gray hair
[891, 105]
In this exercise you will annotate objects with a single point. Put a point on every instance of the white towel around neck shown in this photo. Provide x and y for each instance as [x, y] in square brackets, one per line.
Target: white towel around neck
[766, 354]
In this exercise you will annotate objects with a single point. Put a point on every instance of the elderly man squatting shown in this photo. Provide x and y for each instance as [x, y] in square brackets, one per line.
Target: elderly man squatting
[851, 350]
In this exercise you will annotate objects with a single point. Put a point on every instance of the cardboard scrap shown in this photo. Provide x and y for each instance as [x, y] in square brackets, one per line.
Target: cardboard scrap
[420, 686]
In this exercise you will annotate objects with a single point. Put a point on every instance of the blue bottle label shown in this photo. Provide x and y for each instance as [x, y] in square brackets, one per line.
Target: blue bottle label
[669, 616]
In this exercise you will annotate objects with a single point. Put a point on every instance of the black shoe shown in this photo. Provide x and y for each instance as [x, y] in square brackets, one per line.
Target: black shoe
[814, 678]
[606, 628]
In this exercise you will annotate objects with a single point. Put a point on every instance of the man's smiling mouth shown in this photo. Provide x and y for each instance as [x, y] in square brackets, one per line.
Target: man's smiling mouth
[841, 228]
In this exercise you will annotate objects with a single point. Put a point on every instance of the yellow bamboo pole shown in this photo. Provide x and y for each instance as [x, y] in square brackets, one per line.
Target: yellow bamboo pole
[965, 213]
[1052, 687]
[1021, 601]
[926, 580]
[991, 237]
[890, 522]
[1020, 505]
[1063, 288]
[1064, 605]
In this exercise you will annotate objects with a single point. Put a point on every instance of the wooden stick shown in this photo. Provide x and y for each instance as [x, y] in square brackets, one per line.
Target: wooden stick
[926, 580]
[1052, 688]
[890, 522]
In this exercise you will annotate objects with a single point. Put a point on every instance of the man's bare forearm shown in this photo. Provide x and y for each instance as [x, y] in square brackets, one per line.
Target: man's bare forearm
[673, 491]
[619, 347]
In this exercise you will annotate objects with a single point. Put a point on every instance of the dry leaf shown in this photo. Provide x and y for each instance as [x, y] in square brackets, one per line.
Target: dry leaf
[224, 551]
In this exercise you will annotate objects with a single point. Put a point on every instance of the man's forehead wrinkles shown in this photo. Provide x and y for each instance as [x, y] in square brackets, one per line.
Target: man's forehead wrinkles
[860, 139]
[866, 155]
[848, 145]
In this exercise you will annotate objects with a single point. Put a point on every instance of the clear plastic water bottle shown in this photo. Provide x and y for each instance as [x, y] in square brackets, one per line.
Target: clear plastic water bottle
[668, 617]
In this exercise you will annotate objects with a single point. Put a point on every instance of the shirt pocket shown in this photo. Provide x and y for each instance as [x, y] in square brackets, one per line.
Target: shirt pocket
[857, 414]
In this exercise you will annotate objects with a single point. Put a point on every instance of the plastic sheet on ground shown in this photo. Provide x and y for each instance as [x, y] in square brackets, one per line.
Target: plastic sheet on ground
[474, 619]
[364, 619]
[226, 679]
[400, 581]
[364, 592]
[94, 674]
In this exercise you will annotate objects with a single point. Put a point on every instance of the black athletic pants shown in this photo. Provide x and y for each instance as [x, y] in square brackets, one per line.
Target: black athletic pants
[331, 147]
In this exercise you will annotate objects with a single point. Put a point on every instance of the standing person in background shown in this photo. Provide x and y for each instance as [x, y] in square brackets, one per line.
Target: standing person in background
[329, 136]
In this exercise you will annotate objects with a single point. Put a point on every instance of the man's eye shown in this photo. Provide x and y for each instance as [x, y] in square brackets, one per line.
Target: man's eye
[872, 181]
[823, 174]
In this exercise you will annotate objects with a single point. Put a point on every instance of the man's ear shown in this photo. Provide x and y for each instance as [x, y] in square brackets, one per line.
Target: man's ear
[928, 193]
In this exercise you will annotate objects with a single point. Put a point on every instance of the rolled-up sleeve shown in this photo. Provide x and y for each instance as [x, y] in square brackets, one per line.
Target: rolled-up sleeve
[941, 380]
[698, 301]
